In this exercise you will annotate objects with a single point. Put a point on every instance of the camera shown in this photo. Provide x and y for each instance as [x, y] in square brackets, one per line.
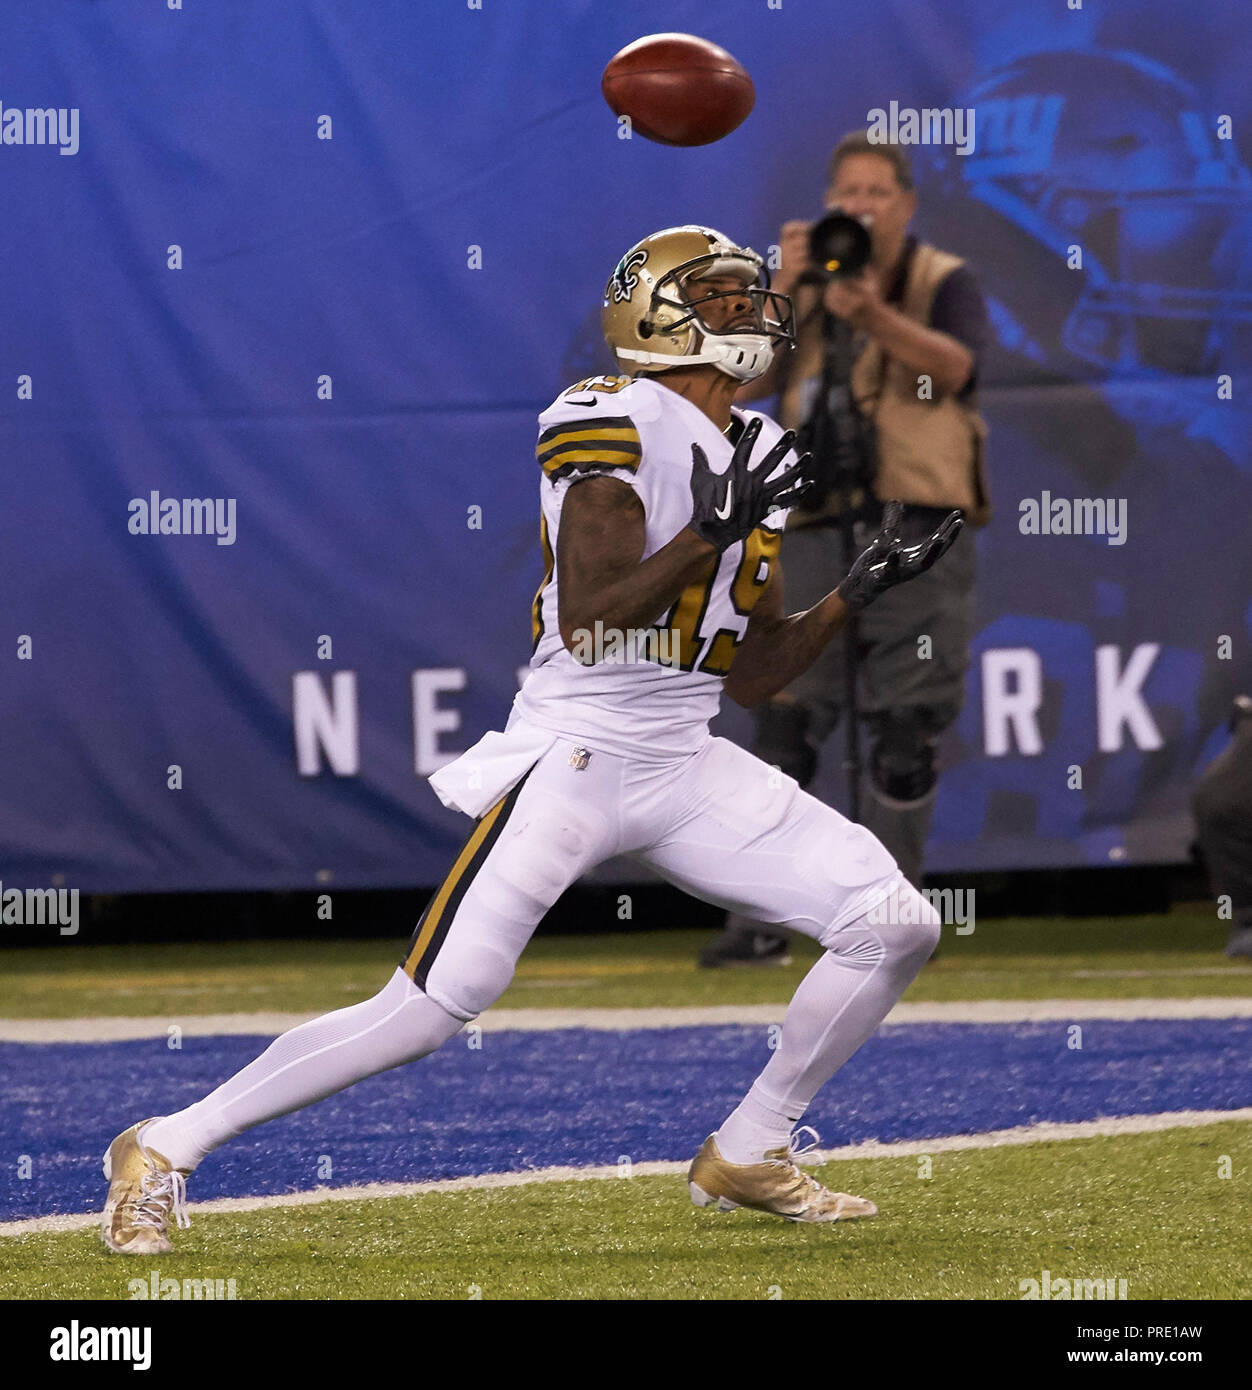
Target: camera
[839, 246]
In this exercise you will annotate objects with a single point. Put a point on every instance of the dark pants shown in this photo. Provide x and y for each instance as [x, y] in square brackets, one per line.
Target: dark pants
[1222, 803]
[913, 645]
[913, 648]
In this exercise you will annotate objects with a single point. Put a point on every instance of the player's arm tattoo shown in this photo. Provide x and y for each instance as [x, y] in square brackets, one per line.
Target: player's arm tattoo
[776, 648]
[600, 576]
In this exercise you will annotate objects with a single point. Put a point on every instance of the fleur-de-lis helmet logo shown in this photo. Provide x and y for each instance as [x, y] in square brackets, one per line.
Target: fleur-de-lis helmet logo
[625, 281]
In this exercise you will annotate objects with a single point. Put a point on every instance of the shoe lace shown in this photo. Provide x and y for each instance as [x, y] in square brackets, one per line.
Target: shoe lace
[802, 1182]
[796, 1149]
[162, 1195]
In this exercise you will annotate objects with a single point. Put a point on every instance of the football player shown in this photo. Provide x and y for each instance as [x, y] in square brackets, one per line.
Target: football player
[662, 510]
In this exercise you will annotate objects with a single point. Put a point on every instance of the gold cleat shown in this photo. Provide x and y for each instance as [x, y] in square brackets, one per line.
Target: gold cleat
[777, 1185]
[144, 1191]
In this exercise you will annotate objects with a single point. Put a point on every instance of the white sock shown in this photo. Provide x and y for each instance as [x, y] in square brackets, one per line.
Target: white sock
[752, 1129]
[838, 1005]
[309, 1063]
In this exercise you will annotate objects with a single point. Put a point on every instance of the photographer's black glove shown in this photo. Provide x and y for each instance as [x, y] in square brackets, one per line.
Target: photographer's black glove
[728, 506]
[887, 560]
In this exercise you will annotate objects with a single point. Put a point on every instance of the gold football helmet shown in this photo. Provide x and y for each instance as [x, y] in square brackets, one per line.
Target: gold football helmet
[650, 321]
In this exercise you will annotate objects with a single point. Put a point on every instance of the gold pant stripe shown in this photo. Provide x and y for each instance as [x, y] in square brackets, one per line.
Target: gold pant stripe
[434, 913]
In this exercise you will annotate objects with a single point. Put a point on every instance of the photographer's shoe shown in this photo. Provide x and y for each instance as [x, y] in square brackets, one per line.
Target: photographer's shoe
[744, 946]
[1240, 943]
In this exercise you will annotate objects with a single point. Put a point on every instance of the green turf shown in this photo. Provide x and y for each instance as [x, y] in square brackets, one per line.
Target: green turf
[1174, 955]
[1150, 1209]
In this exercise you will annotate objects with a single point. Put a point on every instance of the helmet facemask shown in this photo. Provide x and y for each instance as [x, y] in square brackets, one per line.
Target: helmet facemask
[743, 352]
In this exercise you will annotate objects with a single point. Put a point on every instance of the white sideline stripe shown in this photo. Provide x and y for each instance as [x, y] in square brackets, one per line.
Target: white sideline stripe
[995, 1139]
[270, 1024]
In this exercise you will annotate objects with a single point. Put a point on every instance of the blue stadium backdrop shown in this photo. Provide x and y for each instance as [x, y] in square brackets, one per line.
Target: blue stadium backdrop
[324, 263]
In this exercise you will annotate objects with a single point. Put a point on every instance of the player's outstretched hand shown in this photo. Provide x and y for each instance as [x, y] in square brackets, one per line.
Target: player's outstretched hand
[725, 507]
[887, 560]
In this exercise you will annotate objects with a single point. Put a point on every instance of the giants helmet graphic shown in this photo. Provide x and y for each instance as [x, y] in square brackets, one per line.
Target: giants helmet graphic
[1111, 225]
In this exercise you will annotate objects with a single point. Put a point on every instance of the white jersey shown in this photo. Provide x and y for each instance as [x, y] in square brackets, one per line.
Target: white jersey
[651, 692]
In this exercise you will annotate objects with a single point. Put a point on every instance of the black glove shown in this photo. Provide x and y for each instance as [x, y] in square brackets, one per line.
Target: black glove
[728, 506]
[887, 560]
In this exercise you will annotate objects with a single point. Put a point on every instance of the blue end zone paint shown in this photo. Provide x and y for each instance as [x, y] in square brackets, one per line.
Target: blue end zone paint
[530, 1100]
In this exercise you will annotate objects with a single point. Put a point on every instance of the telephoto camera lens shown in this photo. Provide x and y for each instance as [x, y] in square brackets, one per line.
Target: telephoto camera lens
[839, 245]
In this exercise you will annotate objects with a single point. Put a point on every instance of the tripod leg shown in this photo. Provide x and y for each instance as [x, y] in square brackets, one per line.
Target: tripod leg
[852, 729]
[781, 740]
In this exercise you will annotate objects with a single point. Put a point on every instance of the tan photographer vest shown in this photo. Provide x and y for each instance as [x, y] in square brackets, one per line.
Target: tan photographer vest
[930, 452]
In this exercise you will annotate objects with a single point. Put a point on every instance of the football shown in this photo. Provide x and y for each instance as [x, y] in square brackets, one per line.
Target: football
[678, 89]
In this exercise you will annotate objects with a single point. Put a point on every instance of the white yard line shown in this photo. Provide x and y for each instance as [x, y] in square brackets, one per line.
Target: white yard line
[270, 1024]
[995, 1139]
[1153, 974]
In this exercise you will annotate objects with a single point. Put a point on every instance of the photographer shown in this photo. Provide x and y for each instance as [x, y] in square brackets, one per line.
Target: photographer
[882, 387]
[1222, 804]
